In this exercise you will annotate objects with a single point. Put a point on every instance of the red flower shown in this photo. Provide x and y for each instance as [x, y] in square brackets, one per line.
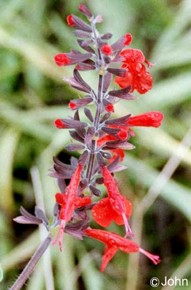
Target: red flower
[62, 59]
[118, 202]
[70, 20]
[62, 199]
[106, 49]
[149, 119]
[113, 243]
[136, 76]
[67, 202]
[128, 39]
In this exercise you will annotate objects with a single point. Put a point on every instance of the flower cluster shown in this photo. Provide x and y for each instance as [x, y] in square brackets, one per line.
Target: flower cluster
[100, 138]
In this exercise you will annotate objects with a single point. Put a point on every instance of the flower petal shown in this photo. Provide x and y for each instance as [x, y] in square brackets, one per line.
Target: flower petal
[102, 213]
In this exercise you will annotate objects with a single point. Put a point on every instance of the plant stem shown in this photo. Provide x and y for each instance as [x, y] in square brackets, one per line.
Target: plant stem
[91, 162]
[96, 126]
[98, 108]
[99, 102]
[31, 264]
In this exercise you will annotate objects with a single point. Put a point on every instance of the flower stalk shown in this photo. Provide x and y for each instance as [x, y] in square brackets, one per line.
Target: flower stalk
[23, 277]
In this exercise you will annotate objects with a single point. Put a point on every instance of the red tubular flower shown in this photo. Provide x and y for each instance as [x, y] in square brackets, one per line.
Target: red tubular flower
[117, 201]
[62, 59]
[113, 243]
[137, 76]
[70, 20]
[71, 194]
[67, 202]
[149, 119]
[62, 199]
[106, 49]
[128, 39]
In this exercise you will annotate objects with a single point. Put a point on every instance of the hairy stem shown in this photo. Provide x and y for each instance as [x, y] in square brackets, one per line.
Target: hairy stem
[31, 264]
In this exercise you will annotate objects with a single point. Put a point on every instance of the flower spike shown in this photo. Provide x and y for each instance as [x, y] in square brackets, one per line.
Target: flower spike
[99, 141]
[102, 139]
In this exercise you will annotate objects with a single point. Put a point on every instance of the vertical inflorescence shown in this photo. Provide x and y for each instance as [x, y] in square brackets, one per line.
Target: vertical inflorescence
[100, 138]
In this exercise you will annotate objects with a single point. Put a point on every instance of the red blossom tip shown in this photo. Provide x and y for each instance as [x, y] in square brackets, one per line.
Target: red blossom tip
[109, 108]
[106, 49]
[128, 39]
[72, 105]
[59, 124]
[61, 59]
[70, 20]
[154, 258]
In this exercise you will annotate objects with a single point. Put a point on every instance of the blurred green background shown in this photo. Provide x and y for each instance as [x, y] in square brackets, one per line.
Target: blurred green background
[158, 179]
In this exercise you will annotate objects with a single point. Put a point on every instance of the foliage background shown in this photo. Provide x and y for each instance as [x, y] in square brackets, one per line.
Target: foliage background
[32, 95]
